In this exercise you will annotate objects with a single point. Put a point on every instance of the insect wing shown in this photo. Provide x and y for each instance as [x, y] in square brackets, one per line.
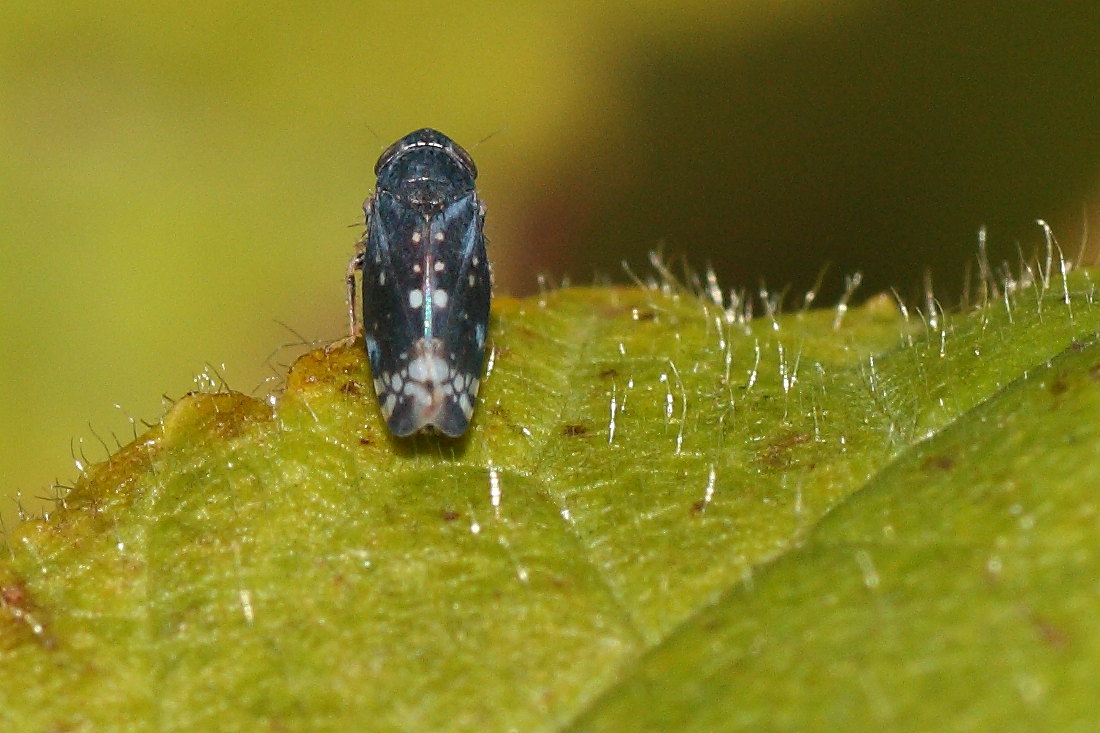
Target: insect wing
[392, 327]
[426, 293]
[460, 290]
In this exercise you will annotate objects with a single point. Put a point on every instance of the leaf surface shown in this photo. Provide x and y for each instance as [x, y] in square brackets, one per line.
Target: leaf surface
[664, 513]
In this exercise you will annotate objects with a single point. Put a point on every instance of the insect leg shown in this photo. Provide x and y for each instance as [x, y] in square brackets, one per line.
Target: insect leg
[356, 263]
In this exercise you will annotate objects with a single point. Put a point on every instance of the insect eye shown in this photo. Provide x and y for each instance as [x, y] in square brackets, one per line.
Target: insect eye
[388, 155]
[465, 159]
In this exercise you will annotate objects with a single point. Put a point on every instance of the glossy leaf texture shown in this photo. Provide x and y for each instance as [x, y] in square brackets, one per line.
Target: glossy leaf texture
[665, 515]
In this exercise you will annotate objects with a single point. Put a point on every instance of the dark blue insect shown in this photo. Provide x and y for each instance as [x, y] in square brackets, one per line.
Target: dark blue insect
[426, 285]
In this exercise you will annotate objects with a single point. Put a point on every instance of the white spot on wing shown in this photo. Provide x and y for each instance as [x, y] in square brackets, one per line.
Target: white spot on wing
[439, 297]
[416, 299]
[418, 369]
[421, 396]
[440, 370]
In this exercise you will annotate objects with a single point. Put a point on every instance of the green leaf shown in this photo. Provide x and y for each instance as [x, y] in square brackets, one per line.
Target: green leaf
[666, 516]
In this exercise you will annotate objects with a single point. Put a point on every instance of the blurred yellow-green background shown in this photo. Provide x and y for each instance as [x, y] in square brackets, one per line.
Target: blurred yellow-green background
[180, 185]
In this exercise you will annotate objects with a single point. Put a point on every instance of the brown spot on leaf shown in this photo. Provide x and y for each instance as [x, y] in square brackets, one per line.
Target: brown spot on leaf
[524, 331]
[14, 595]
[778, 453]
[608, 374]
[25, 614]
[449, 515]
[352, 389]
[1094, 371]
[939, 462]
[698, 506]
[1059, 384]
[1051, 634]
[573, 430]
